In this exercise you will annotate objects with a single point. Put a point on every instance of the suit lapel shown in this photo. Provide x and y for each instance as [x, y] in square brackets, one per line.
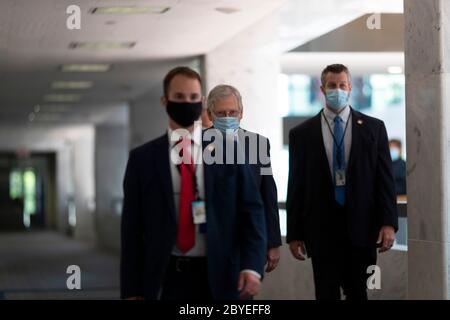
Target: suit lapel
[356, 139]
[207, 173]
[163, 169]
[322, 155]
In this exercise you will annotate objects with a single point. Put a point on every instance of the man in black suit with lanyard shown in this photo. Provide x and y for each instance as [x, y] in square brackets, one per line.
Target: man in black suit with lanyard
[341, 202]
[225, 111]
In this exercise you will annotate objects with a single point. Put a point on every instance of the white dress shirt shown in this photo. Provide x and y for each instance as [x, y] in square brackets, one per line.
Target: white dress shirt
[328, 141]
[199, 249]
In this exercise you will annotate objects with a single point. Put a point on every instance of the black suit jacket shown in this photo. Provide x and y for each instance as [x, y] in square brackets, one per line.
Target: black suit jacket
[236, 230]
[266, 183]
[370, 189]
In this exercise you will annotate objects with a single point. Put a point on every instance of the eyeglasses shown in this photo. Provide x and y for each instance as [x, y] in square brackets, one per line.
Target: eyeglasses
[232, 113]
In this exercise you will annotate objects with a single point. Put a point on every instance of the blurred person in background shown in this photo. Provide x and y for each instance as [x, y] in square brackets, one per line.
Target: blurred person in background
[398, 166]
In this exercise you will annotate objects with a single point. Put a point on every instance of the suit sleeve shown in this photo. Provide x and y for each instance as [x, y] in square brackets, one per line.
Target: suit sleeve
[270, 199]
[131, 259]
[294, 201]
[253, 233]
[385, 184]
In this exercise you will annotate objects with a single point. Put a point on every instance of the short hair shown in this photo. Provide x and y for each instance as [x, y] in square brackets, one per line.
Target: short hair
[185, 71]
[334, 68]
[397, 142]
[223, 91]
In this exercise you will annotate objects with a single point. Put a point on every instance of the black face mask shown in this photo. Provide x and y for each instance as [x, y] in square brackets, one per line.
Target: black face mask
[184, 113]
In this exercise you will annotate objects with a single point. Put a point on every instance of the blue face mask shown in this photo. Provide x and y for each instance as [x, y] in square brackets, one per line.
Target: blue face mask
[225, 124]
[337, 98]
[395, 154]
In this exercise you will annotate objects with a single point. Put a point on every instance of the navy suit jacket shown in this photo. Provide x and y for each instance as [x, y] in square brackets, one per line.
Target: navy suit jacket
[266, 183]
[370, 189]
[236, 230]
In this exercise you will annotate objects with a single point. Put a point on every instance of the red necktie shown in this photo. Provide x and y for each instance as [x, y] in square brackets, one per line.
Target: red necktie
[186, 227]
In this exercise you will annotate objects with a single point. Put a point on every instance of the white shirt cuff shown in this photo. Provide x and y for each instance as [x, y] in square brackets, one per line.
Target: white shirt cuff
[252, 272]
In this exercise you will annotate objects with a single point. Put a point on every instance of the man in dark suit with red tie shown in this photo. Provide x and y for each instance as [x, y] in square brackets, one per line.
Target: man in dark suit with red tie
[341, 201]
[190, 230]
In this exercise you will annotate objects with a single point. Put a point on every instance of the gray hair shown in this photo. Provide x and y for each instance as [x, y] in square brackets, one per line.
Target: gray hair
[223, 91]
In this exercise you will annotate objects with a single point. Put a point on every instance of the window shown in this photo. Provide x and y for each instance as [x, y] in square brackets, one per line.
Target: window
[15, 184]
[29, 191]
[373, 92]
[23, 186]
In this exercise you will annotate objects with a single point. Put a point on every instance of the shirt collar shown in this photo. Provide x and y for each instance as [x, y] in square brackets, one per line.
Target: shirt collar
[195, 135]
[330, 115]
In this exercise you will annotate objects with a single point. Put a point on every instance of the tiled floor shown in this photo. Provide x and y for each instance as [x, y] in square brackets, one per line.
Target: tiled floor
[33, 266]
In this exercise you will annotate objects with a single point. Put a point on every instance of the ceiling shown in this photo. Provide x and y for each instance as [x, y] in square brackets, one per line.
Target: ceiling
[34, 43]
[312, 63]
[356, 37]
[305, 20]
[352, 44]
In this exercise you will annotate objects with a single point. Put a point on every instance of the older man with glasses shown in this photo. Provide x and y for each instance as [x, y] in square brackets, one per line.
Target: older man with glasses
[225, 110]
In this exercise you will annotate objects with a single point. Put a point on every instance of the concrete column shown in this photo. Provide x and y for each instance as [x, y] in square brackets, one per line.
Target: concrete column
[82, 158]
[427, 66]
[251, 63]
[111, 155]
[148, 118]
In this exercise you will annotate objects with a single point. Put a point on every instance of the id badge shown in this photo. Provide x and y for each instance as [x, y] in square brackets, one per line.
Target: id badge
[339, 177]
[198, 212]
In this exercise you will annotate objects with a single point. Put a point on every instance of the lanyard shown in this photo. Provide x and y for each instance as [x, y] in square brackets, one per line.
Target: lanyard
[338, 150]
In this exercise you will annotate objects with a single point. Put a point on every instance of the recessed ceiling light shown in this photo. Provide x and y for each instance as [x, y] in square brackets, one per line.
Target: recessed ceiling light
[55, 107]
[71, 84]
[130, 10]
[86, 67]
[395, 69]
[100, 45]
[52, 108]
[33, 117]
[47, 117]
[228, 10]
[63, 97]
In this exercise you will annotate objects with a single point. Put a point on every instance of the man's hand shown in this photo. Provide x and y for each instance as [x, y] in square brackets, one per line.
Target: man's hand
[298, 249]
[273, 257]
[386, 237]
[135, 298]
[248, 285]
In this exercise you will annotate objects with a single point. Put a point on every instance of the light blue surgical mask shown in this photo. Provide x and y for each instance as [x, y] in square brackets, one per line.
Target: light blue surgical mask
[395, 154]
[337, 98]
[226, 124]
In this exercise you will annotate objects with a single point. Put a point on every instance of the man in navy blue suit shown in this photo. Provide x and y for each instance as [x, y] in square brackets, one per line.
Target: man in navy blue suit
[191, 229]
[225, 110]
[341, 201]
